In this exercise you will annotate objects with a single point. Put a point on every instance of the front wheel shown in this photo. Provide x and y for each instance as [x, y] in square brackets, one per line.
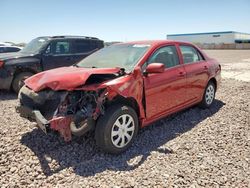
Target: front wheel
[18, 81]
[116, 129]
[208, 96]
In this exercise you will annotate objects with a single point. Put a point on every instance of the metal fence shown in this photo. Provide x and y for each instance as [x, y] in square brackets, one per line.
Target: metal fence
[225, 46]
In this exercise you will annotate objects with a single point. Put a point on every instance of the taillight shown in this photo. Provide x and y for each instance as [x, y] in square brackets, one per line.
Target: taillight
[1, 63]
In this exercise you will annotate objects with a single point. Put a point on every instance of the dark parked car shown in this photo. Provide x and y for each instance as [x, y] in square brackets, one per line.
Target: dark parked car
[120, 89]
[9, 49]
[44, 53]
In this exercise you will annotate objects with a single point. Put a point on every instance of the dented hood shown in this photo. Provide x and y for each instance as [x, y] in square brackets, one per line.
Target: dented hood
[65, 78]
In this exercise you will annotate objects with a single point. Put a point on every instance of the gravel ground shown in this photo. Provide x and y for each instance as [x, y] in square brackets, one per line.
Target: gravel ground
[192, 148]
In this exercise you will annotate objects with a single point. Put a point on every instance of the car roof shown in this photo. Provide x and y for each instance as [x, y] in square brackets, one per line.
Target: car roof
[69, 37]
[155, 42]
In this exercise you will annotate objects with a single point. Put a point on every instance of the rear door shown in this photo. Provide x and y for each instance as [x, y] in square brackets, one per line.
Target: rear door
[165, 91]
[197, 72]
[59, 53]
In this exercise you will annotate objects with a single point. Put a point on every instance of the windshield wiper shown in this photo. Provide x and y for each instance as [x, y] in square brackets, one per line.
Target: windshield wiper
[85, 67]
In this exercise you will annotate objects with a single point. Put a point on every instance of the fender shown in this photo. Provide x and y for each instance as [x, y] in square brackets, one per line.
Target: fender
[15, 64]
[24, 63]
[130, 85]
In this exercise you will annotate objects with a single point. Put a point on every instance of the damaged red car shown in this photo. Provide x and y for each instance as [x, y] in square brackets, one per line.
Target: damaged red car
[119, 89]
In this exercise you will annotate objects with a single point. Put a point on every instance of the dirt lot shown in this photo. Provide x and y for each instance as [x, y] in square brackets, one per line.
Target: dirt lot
[235, 63]
[193, 148]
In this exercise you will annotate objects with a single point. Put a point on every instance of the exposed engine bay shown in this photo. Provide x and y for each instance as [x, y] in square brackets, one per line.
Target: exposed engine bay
[81, 104]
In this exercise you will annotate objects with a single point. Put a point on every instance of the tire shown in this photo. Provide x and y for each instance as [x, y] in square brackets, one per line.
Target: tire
[112, 122]
[18, 81]
[208, 96]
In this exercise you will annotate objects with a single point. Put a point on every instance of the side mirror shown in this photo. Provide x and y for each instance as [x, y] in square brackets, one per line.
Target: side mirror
[155, 68]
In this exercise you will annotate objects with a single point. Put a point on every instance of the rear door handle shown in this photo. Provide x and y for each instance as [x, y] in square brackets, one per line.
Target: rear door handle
[181, 74]
[205, 67]
[69, 58]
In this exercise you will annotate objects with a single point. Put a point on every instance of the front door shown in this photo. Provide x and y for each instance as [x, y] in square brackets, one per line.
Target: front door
[164, 92]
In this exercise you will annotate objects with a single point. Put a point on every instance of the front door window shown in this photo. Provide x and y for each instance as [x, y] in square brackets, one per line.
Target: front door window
[59, 48]
[166, 55]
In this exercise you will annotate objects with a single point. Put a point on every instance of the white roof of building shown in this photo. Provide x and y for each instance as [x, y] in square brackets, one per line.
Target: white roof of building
[209, 33]
[5, 44]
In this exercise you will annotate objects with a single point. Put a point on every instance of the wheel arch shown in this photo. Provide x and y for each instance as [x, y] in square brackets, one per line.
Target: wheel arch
[19, 70]
[214, 81]
[23, 69]
[129, 101]
[16, 74]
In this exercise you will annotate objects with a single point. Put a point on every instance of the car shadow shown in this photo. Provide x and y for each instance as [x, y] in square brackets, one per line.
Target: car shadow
[7, 95]
[86, 159]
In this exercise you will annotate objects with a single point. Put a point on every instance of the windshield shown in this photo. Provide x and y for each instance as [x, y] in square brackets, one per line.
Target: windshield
[35, 45]
[122, 55]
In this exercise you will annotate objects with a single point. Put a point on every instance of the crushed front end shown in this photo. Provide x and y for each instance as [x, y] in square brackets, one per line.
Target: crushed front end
[68, 112]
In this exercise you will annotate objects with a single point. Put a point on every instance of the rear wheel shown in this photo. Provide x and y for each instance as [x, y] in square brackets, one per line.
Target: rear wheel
[116, 129]
[208, 96]
[18, 81]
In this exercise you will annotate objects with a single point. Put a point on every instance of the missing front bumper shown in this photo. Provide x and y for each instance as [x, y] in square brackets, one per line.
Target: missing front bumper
[34, 115]
[60, 124]
[42, 123]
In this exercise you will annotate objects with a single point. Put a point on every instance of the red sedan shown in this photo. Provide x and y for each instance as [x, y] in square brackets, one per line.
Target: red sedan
[119, 89]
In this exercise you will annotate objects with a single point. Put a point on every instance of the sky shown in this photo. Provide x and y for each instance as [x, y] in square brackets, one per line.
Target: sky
[120, 20]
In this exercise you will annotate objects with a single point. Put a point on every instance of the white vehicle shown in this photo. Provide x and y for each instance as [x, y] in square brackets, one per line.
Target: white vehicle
[8, 49]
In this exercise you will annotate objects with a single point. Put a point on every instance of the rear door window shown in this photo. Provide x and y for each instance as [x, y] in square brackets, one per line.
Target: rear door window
[84, 46]
[190, 54]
